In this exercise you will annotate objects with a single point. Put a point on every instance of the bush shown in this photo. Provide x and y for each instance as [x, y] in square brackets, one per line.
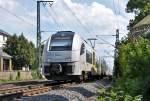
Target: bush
[36, 75]
[134, 81]
[134, 66]
[18, 76]
[115, 94]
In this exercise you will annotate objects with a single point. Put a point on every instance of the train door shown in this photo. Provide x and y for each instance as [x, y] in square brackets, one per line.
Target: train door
[89, 61]
[82, 58]
[94, 67]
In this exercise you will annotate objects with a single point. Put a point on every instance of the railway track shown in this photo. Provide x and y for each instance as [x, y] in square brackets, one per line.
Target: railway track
[8, 94]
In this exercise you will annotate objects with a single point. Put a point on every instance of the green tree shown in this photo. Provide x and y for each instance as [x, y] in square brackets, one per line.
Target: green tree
[140, 8]
[21, 50]
[134, 64]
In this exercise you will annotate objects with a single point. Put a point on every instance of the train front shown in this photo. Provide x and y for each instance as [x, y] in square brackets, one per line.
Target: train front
[60, 59]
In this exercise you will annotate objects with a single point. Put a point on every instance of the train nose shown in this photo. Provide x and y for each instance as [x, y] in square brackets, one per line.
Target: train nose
[56, 68]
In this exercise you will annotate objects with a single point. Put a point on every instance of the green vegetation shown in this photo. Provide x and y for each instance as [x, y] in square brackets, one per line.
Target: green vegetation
[36, 75]
[23, 54]
[141, 8]
[22, 51]
[113, 94]
[133, 63]
[134, 82]
[6, 81]
[18, 76]
[11, 78]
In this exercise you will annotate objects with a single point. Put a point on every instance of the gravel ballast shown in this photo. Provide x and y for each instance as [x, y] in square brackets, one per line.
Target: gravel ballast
[79, 92]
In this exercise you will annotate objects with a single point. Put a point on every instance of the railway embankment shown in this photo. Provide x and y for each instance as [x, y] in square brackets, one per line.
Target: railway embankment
[88, 91]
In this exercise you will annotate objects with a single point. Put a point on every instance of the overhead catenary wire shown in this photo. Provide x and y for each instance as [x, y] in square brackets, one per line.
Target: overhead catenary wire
[24, 8]
[117, 20]
[119, 9]
[115, 11]
[18, 17]
[118, 14]
[50, 15]
[56, 15]
[65, 15]
[76, 17]
[83, 24]
[78, 20]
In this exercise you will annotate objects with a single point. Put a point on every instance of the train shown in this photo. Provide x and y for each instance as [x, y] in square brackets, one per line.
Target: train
[67, 56]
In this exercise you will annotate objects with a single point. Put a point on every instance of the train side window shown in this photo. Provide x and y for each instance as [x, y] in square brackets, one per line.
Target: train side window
[88, 57]
[82, 50]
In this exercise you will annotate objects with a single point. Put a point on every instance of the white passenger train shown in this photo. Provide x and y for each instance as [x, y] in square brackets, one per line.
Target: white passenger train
[66, 56]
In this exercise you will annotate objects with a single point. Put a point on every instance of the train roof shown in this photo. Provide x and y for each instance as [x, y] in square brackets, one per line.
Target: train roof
[65, 32]
[71, 34]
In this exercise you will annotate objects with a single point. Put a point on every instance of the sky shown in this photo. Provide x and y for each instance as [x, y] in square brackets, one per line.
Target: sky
[88, 18]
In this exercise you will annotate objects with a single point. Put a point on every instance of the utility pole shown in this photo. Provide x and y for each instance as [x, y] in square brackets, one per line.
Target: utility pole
[92, 43]
[38, 44]
[116, 69]
[116, 46]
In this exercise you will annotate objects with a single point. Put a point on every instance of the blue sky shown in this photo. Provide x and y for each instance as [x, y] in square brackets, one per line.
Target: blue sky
[98, 17]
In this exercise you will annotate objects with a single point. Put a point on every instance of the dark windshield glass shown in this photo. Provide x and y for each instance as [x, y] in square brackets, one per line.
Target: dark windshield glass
[61, 44]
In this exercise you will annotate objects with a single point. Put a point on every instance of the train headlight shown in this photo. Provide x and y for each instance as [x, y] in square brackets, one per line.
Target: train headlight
[49, 60]
[71, 64]
[68, 59]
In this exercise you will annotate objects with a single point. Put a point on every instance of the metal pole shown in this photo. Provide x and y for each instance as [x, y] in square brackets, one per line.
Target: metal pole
[92, 39]
[38, 36]
[116, 54]
[39, 50]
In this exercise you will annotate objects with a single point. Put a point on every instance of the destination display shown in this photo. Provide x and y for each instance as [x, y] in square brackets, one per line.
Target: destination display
[62, 38]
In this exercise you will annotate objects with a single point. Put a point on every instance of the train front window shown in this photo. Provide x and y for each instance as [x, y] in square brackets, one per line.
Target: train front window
[60, 45]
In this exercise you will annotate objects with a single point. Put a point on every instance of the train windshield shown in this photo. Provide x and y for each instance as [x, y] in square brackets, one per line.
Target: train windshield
[60, 44]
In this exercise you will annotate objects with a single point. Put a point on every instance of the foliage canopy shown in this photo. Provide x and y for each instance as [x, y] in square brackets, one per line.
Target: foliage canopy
[21, 50]
[140, 8]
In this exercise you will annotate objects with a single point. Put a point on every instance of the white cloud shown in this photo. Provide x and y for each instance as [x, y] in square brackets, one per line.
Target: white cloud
[9, 4]
[96, 17]
[120, 4]
[120, 7]
[22, 23]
